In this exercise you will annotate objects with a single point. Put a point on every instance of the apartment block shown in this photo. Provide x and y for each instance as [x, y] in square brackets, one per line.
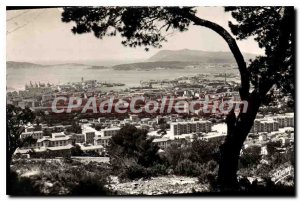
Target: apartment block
[273, 124]
[180, 128]
[264, 125]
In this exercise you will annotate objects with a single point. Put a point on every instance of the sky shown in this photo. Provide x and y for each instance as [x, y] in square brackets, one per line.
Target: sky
[40, 36]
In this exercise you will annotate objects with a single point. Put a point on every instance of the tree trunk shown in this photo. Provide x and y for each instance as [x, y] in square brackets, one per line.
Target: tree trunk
[238, 129]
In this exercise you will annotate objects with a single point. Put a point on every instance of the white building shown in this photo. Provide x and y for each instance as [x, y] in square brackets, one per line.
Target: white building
[163, 143]
[214, 136]
[96, 148]
[271, 124]
[134, 117]
[78, 138]
[264, 125]
[103, 141]
[286, 120]
[179, 128]
[33, 134]
[57, 140]
[262, 137]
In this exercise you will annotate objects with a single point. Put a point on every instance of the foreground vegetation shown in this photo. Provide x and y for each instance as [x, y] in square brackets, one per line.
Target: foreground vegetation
[134, 157]
[58, 177]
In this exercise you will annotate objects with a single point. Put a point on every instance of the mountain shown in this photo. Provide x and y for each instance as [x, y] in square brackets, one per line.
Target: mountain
[164, 59]
[98, 67]
[197, 56]
[155, 65]
[15, 64]
[68, 64]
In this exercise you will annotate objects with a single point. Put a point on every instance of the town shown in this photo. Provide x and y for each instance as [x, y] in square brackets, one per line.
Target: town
[55, 137]
[150, 100]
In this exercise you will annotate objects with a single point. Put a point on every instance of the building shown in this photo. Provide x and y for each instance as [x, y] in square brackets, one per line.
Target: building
[58, 135]
[93, 148]
[103, 141]
[28, 103]
[180, 128]
[57, 140]
[284, 141]
[45, 152]
[164, 119]
[78, 138]
[264, 125]
[30, 129]
[134, 118]
[214, 136]
[33, 134]
[145, 120]
[163, 143]
[144, 126]
[273, 123]
[264, 151]
[47, 97]
[59, 128]
[61, 151]
[89, 137]
[110, 131]
[263, 137]
[101, 119]
[58, 145]
[286, 120]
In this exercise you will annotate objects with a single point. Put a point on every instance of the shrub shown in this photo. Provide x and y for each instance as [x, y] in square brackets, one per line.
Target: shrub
[135, 171]
[67, 177]
[158, 170]
[90, 186]
[76, 151]
[251, 156]
[132, 153]
[187, 168]
[207, 173]
[21, 186]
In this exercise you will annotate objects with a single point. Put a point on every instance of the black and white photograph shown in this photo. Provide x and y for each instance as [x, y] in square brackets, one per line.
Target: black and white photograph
[150, 100]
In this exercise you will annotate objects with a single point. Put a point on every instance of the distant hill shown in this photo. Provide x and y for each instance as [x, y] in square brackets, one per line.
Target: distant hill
[14, 64]
[164, 59]
[155, 65]
[68, 64]
[196, 55]
[98, 67]
[179, 59]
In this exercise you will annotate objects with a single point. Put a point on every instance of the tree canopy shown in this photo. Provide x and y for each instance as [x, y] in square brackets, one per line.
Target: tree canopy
[272, 28]
[139, 26]
[133, 143]
[16, 120]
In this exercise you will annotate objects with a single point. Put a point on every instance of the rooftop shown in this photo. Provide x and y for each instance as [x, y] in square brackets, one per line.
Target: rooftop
[69, 146]
[191, 122]
[58, 135]
[111, 129]
[85, 148]
[161, 140]
[32, 132]
[102, 138]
